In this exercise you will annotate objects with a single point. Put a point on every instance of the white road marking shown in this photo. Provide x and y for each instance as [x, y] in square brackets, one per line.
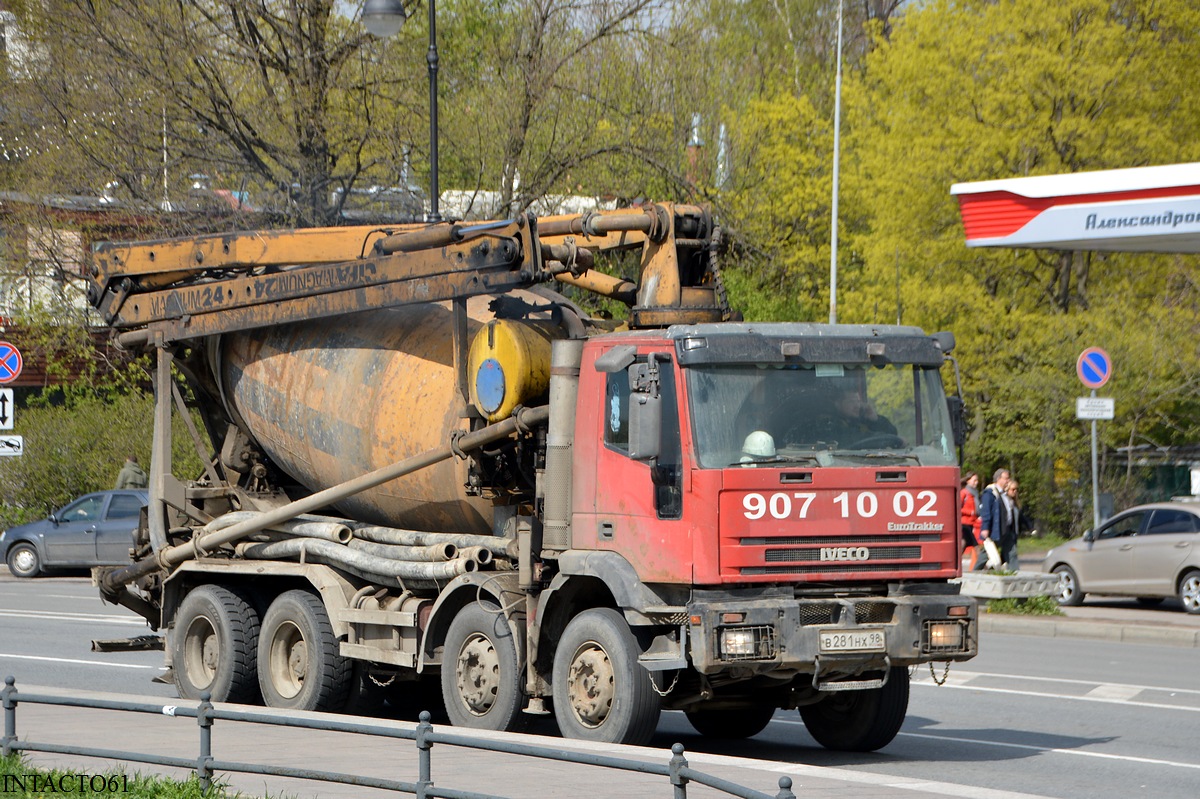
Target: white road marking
[1078, 752]
[961, 676]
[74, 597]
[4, 655]
[50, 615]
[1030, 748]
[1120, 693]
[1109, 693]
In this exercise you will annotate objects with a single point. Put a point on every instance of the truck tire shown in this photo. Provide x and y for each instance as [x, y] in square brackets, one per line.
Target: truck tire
[299, 666]
[731, 723]
[23, 560]
[860, 721]
[601, 692]
[214, 646]
[482, 678]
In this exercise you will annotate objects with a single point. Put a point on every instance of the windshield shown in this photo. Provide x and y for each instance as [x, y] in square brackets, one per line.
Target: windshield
[822, 415]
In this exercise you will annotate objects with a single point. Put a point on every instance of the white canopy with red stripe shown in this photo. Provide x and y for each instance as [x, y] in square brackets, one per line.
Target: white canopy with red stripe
[1147, 209]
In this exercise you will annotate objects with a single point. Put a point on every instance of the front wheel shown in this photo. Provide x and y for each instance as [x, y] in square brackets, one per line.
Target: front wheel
[1068, 591]
[23, 561]
[299, 666]
[214, 646]
[1189, 592]
[481, 672]
[731, 724]
[860, 721]
[601, 692]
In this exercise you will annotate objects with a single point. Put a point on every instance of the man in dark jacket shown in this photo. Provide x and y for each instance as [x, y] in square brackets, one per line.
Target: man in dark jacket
[996, 521]
[131, 475]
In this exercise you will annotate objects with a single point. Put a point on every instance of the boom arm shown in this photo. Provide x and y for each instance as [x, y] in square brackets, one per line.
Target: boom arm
[188, 288]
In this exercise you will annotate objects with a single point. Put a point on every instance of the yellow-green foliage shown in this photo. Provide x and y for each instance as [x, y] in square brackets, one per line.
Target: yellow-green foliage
[974, 90]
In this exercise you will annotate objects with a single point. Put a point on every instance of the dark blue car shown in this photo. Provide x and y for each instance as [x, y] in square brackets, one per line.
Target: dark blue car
[94, 530]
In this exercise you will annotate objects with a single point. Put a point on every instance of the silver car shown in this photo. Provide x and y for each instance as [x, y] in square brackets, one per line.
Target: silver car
[94, 530]
[1149, 552]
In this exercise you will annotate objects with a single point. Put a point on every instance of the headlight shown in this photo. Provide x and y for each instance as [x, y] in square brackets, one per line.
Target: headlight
[2, 534]
[737, 642]
[746, 643]
[944, 636]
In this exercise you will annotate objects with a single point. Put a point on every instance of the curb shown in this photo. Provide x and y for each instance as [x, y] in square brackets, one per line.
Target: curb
[1058, 627]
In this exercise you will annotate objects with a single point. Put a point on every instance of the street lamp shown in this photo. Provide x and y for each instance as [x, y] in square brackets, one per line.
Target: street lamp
[383, 18]
[837, 130]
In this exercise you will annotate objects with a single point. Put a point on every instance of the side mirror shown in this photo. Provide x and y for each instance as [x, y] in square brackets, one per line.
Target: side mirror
[53, 517]
[1089, 536]
[645, 411]
[958, 420]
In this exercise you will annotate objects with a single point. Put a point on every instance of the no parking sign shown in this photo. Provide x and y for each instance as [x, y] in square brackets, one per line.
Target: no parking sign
[1094, 367]
[10, 362]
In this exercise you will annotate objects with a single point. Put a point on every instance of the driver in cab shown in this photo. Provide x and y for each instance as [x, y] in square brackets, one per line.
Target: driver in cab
[852, 417]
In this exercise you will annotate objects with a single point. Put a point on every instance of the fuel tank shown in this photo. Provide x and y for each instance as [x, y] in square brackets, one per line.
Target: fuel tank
[331, 400]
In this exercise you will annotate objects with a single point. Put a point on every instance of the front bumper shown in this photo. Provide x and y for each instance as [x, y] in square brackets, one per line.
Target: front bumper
[830, 635]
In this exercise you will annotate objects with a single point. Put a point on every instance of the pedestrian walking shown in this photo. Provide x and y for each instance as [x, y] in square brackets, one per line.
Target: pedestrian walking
[995, 519]
[131, 475]
[969, 499]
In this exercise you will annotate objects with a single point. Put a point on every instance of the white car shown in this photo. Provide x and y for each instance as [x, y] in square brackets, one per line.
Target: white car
[1149, 552]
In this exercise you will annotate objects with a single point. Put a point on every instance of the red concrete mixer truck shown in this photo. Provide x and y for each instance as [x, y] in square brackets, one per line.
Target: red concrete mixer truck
[428, 475]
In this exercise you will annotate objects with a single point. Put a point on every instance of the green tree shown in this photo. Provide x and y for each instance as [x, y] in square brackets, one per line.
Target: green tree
[281, 99]
[977, 90]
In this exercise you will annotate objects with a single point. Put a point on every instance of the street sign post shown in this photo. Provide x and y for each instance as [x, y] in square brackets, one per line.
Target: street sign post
[1094, 368]
[11, 446]
[7, 409]
[10, 362]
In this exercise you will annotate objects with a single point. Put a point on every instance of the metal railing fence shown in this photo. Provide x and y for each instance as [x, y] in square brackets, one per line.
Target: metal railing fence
[423, 734]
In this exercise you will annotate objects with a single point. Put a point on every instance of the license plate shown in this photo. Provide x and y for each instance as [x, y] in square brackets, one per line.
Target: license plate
[853, 641]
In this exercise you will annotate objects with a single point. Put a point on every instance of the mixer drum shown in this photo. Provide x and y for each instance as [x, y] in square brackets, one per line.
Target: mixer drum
[333, 399]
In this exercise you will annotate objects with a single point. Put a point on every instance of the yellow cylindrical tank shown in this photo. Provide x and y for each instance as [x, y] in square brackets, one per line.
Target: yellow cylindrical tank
[509, 365]
[333, 399]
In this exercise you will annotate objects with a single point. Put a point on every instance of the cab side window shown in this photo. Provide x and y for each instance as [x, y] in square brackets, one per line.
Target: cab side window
[668, 467]
[616, 411]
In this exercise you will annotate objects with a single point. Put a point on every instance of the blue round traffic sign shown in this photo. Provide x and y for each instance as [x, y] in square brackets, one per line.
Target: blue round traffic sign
[10, 362]
[1094, 367]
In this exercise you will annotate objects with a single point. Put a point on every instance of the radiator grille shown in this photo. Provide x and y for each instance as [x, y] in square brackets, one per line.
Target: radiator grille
[874, 612]
[837, 568]
[876, 553]
[818, 613]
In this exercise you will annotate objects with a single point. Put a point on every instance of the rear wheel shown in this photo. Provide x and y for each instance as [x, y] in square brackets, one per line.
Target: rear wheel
[732, 723]
[860, 721]
[481, 672]
[23, 561]
[214, 646]
[1189, 592]
[601, 692]
[299, 666]
[1068, 591]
